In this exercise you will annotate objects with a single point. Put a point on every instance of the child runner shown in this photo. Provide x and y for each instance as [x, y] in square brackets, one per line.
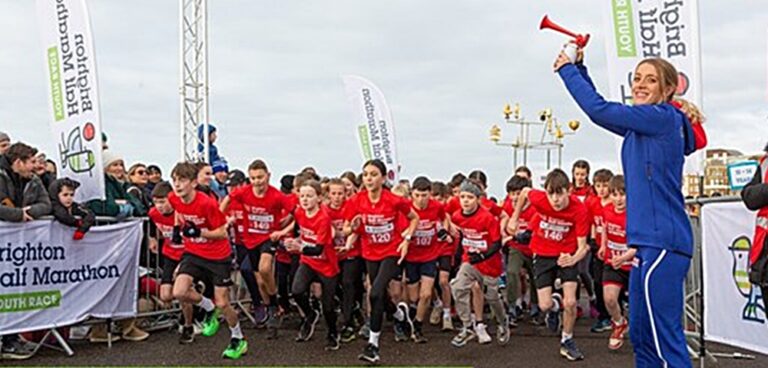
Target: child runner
[596, 205]
[206, 252]
[617, 259]
[373, 214]
[559, 242]
[480, 236]
[318, 263]
[445, 263]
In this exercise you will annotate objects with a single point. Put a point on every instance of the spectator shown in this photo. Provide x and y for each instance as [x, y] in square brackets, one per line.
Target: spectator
[104, 145]
[66, 210]
[22, 198]
[213, 152]
[220, 173]
[138, 180]
[155, 177]
[118, 202]
[755, 197]
[41, 172]
[50, 167]
[204, 179]
[5, 143]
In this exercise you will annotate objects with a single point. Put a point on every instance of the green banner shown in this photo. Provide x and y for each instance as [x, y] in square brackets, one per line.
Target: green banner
[29, 301]
[54, 72]
[365, 143]
[624, 28]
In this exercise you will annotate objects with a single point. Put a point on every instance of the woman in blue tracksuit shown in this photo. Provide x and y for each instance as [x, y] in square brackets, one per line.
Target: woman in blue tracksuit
[657, 136]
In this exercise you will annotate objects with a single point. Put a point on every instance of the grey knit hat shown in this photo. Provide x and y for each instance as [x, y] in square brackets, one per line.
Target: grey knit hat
[4, 137]
[470, 187]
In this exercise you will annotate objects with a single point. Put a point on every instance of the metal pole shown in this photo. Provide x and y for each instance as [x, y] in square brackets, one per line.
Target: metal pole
[182, 89]
[206, 135]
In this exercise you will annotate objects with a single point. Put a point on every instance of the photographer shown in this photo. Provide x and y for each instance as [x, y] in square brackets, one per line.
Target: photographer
[755, 197]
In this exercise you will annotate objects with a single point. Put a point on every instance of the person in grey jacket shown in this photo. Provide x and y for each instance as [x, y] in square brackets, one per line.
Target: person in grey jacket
[22, 195]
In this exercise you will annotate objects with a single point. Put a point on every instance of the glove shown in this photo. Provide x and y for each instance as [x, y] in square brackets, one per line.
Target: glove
[176, 237]
[524, 237]
[475, 258]
[442, 234]
[126, 210]
[78, 235]
[190, 230]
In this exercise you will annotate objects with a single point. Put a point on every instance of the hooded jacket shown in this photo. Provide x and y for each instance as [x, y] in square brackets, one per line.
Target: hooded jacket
[17, 193]
[65, 216]
[213, 152]
[114, 190]
[656, 140]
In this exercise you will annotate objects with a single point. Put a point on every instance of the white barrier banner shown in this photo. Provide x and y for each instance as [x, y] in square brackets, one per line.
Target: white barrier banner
[373, 123]
[49, 280]
[640, 29]
[70, 65]
[734, 313]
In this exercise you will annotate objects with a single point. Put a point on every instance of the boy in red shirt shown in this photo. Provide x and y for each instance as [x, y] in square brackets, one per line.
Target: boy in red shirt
[318, 263]
[596, 205]
[445, 265]
[206, 252]
[518, 243]
[163, 221]
[558, 243]
[264, 207]
[618, 259]
[480, 236]
[421, 261]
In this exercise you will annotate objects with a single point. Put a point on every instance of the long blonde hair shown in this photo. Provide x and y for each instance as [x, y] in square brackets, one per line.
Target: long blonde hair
[668, 77]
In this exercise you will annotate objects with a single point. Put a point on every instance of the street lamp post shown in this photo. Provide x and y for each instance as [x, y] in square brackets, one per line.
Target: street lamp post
[552, 134]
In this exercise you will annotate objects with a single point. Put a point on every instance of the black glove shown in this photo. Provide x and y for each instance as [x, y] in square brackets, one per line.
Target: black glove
[176, 237]
[190, 230]
[592, 243]
[442, 235]
[524, 237]
[475, 258]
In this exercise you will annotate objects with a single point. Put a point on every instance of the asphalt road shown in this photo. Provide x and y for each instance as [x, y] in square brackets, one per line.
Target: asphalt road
[530, 346]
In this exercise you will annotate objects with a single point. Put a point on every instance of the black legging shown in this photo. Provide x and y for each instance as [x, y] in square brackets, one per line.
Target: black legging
[352, 287]
[285, 277]
[380, 273]
[302, 281]
[597, 276]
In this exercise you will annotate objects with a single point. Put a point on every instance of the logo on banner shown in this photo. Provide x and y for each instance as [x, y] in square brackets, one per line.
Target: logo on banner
[74, 153]
[753, 309]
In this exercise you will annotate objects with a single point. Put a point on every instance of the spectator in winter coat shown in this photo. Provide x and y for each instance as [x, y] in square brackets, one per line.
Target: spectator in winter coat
[119, 203]
[66, 210]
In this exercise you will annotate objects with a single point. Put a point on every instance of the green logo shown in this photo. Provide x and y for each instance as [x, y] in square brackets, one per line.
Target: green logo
[365, 143]
[29, 301]
[54, 72]
[624, 28]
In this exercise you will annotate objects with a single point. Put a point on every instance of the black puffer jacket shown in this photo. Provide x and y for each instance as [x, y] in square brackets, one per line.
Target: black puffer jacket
[66, 216]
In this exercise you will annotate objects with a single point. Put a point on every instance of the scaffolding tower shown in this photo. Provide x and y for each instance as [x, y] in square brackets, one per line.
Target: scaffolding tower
[193, 89]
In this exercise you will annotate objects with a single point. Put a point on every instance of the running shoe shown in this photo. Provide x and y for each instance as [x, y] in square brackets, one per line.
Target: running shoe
[465, 335]
[235, 349]
[482, 334]
[370, 354]
[211, 323]
[617, 335]
[307, 328]
[187, 335]
[601, 325]
[570, 351]
[332, 342]
[348, 334]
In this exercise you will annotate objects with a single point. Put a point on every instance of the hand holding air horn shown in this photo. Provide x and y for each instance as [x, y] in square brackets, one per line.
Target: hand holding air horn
[579, 40]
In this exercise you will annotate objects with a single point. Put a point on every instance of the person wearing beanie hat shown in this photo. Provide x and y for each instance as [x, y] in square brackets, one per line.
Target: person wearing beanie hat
[5, 143]
[213, 152]
[118, 203]
[220, 172]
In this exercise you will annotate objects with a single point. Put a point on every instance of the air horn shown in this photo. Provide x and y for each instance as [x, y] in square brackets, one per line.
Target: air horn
[579, 39]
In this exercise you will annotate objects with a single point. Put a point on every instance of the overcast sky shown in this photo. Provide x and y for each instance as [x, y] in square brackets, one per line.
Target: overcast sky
[445, 67]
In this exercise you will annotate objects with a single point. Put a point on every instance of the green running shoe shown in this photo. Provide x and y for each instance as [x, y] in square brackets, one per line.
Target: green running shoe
[235, 349]
[211, 323]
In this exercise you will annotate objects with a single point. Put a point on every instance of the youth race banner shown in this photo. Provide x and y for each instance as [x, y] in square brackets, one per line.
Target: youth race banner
[49, 280]
[70, 67]
[640, 29]
[734, 313]
[373, 123]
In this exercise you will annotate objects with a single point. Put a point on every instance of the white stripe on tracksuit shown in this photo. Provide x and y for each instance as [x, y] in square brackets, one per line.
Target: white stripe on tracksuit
[648, 304]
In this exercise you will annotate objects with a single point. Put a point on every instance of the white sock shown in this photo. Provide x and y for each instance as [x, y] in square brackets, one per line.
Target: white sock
[206, 304]
[237, 333]
[619, 322]
[373, 338]
[555, 305]
[399, 315]
[566, 337]
[447, 312]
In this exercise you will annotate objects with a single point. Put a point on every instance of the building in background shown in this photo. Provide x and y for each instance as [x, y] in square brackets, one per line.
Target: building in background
[715, 177]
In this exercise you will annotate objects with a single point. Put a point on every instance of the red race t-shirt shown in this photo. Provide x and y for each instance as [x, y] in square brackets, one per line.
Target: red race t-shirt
[318, 231]
[595, 208]
[236, 210]
[380, 221]
[454, 205]
[582, 193]
[424, 246]
[262, 214]
[204, 212]
[557, 230]
[616, 239]
[339, 240]
[479, 231]
[522, 225]
[165, 224]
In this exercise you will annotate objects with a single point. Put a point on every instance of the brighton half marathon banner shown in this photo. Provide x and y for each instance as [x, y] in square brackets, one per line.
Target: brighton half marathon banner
[373, 123]
[734, 313]
[640, 29]
[70, 67]
[49, 280]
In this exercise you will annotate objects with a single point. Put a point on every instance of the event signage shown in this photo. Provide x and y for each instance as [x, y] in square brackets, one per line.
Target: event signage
[734, 312]
[49, 280]
[741, 173]
[73, 96]
[373, 123]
